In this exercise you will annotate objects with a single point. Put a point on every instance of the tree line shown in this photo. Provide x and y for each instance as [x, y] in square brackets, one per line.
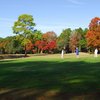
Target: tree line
[30, 40]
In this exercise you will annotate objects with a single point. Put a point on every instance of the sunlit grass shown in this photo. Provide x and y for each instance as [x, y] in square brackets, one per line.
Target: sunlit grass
[49, 77]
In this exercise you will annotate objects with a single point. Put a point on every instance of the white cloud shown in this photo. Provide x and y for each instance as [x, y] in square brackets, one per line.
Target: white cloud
[7, 19]
[6, 22]
[76, 2]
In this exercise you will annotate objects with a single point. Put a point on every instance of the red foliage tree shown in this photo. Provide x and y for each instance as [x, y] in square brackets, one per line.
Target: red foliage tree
[41, 45]
[47, 46]
[93, 34]
[47, 43]
[52, 45]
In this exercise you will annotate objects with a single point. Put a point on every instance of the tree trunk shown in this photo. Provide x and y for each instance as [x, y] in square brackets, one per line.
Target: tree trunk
[25, 51]
[41, 51]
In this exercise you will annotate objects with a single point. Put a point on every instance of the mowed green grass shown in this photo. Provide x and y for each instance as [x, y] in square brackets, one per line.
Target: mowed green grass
[49, 77]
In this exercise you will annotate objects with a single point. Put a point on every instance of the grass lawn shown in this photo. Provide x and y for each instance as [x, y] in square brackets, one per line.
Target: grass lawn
[49, 77]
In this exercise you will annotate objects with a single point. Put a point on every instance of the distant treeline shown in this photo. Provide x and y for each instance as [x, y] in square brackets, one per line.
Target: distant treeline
[28, 40]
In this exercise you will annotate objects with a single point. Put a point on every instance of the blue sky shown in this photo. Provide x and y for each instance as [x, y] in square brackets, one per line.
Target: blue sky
[49, 15]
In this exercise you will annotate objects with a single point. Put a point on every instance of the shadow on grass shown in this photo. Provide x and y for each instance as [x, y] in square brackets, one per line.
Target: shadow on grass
[49, 80]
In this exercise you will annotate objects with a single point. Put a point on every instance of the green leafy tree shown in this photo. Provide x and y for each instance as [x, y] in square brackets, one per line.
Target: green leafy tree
[78, 39]
[1, 45]
[6, 45]
[24, 26]
[15, 45]
[63, 39]
[82, 42]
[37, 36]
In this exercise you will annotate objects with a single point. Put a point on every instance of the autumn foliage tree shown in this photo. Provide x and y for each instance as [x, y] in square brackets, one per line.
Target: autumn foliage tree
[93, 34]
[41, 45]
[28, 39]
[49, 36]
[75, 38]
[49, 40]
[29, 46]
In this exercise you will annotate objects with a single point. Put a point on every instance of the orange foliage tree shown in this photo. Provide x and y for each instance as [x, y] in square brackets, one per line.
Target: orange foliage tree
[49, 36]
[29, 46]
[74, 39]
[41, 45]
[49, 39]
[93, 34]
